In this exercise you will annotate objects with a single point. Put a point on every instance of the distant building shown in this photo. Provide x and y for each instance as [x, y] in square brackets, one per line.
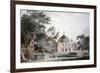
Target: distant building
[65, 45]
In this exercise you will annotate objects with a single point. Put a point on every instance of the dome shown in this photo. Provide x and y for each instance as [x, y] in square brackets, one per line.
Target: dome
[63, 39]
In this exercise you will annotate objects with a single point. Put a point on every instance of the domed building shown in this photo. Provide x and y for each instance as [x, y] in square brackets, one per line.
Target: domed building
[65, 45]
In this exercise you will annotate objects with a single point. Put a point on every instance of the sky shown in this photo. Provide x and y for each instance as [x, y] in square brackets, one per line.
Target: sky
[70, 23]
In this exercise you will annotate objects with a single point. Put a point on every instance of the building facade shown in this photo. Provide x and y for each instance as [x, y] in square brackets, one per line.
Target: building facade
[65, 45]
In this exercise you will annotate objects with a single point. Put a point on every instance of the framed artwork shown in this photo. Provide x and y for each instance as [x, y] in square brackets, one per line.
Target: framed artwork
[52, 36]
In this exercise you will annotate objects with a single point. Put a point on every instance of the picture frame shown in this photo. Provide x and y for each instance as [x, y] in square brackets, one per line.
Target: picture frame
[58, 12]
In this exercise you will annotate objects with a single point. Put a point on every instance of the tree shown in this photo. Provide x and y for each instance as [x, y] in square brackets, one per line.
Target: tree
[83, 42]
[52, 32]
[32, 25]
[32, 30]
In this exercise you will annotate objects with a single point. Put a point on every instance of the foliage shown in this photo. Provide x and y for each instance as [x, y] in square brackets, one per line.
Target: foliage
[52, 32]
[32, 24]
[83, 42]
[33, 29]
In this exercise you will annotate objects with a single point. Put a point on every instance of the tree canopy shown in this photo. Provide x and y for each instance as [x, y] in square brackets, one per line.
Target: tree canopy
[33, 28]
[83, 42]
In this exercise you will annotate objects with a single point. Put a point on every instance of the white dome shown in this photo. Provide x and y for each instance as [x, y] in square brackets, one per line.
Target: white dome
[63, 39]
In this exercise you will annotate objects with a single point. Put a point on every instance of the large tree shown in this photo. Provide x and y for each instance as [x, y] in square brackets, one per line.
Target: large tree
[34, 31]
[32, 25]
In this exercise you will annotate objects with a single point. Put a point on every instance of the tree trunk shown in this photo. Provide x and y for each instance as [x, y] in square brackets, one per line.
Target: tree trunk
[23, 59]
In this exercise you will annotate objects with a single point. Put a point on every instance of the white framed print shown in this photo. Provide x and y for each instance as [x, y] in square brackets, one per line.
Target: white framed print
[52, 36]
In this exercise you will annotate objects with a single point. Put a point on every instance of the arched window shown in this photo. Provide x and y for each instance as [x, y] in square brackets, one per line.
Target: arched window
[66, 44]
[69, 45]
[66, 49]
[62, 49]
[69, 49]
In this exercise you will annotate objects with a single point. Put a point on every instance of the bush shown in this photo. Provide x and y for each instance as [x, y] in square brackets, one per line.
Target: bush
[73, 53]
[68, 55]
